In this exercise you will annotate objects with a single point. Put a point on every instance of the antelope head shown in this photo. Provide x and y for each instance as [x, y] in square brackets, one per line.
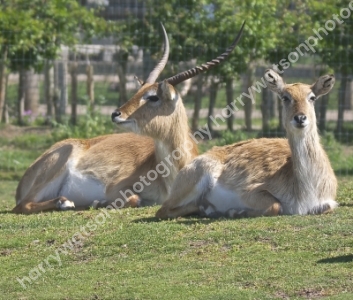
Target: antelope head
[157, 106]
[298, 100]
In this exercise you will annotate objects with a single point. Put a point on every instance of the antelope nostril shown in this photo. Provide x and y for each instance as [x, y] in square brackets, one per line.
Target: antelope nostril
[300, 119]
[115, 114]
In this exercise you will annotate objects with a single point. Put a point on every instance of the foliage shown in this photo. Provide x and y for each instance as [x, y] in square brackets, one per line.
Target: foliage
[185, 35]
[200, 22]
[228, 137]
[224, 23]
[90, 125]
[33, 31]
[335, 49]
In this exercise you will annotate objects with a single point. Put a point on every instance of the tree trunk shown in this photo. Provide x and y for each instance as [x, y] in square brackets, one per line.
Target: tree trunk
[197, 104]
[56, 94]
[121, 70]
[213, 97]
[2, 81]
[62, 83]
[322, 112]
[280, 115]
[248, 80]
[272, 106]
[348, 95]
[265, 109]
[31, 93]
[73, 73]
[5, 112]
[230, 96]
[90, 86]
[147, 65]
[341, 99]
[20, 96]
[48, 89]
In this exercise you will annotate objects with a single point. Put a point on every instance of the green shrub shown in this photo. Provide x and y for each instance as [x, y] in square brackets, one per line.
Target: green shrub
[90, 125]
[228, 137]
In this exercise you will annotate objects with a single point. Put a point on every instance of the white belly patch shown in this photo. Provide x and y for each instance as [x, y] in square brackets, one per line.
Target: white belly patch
[82, 189]
[219, 200]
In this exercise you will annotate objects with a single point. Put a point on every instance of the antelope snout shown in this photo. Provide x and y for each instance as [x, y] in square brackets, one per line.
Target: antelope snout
[300, 121]
[116, 116]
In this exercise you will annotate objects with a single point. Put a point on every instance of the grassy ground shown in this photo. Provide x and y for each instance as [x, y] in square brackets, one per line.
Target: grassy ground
[131, 255]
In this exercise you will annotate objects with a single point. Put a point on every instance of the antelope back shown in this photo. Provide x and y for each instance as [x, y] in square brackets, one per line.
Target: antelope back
[298, 100]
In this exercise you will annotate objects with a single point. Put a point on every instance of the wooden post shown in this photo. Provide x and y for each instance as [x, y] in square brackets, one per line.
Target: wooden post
[248, 80]
[280, 114]
[265, 109]
[48, 89]
[73, 73]
[3, 81]
[31, 92]
[56, 94]
[230, 96]
[212, 103]
[197, 103]
[20, 96]
[341, 99]
[90, 86]
[323, 110]
[62, 82]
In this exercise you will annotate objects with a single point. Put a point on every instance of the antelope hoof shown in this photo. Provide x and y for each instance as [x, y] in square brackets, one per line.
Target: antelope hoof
[65, 204]
[162, 213]
[237, 214]
[99, 204]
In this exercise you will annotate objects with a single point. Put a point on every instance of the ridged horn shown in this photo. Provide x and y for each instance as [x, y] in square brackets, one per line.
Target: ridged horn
[176, 79]
[160, 66]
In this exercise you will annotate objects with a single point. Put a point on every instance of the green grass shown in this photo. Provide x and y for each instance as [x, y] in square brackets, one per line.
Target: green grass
[18, 151]
[134, 256]
[131, 255]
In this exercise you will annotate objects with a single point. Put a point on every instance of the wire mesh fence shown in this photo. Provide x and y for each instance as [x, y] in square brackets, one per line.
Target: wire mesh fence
[101, 72]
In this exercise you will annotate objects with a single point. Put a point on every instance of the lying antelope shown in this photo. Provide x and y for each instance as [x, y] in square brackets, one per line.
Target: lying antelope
[263, 177]
[78, 173]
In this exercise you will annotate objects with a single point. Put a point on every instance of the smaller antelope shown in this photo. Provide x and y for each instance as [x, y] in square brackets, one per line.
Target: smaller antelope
[263, 177]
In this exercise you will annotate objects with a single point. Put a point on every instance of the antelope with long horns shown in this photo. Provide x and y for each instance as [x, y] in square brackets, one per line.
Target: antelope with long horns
[119, 170]
[263, 177]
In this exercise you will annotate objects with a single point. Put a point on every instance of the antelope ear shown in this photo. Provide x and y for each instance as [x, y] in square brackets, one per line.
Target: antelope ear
[274, 81]
[323, 85]
[166, 91]
[140, 82]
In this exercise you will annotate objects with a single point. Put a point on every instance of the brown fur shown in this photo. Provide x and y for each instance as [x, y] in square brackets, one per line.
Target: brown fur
[262, 177]
[116, 161]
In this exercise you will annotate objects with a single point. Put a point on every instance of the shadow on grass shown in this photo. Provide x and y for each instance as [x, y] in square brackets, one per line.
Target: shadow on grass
[184, 220]
[346, 204]
[343, 172]
[337, 259]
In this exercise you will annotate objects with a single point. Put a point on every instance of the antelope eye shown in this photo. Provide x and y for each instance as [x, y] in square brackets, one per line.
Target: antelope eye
[152, 98]
[312, 98]
[285, 99]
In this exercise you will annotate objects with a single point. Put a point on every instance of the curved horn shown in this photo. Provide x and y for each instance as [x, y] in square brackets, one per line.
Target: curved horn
[160, 66]
[174, 80]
